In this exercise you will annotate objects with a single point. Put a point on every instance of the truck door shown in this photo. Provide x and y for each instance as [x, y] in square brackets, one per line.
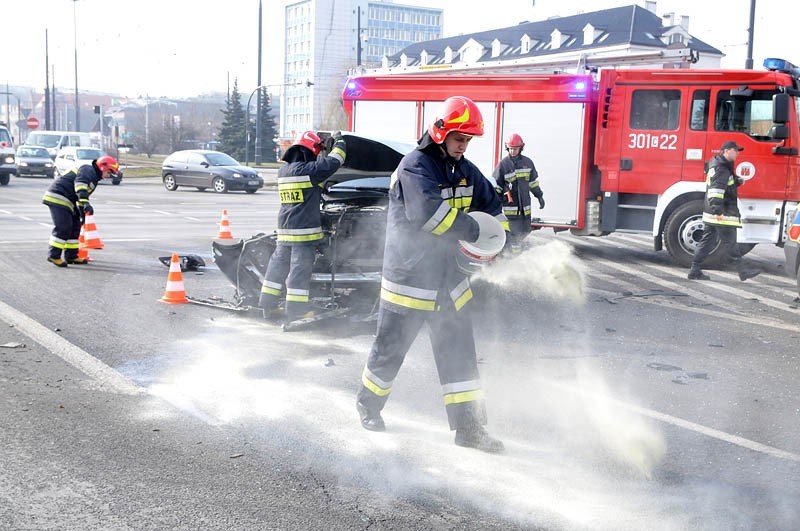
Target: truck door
[652, 146]
[744, 115]
[696, 135]
[554, 140]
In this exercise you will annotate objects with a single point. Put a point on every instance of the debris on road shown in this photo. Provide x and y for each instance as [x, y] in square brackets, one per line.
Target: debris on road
[13, 345]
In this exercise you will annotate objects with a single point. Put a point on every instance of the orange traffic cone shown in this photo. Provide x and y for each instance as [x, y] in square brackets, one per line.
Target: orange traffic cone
[91, 238]
[175, 292]
[224, 227]
[83, 251]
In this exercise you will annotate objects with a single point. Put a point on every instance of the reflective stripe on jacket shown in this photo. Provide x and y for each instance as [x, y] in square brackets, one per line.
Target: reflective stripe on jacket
[300, 193]
[722, 192]
[429, 196]
[73, 187]
[519, 175]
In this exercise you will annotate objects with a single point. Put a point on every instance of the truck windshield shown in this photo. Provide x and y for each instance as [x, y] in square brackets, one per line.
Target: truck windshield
[751, 115]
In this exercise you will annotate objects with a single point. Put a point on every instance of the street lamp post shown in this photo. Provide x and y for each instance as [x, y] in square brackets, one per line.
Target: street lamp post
[247, 116]
[75, 33]
[257, 157]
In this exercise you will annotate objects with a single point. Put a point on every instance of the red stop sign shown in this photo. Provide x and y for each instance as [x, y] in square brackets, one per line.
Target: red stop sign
[32, 122]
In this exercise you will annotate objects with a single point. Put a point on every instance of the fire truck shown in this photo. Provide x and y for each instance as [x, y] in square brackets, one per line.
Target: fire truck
[623, 150]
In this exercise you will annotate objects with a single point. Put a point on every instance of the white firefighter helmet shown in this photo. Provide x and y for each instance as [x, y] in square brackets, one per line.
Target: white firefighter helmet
[473, 256]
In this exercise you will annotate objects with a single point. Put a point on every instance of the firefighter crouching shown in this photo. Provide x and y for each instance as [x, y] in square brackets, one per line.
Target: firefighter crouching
[430, 192]
[299, 224]
[517, 178]
[68, 201]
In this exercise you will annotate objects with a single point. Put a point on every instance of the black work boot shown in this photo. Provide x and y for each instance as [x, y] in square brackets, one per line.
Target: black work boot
[370, 420]
[476, 436]
[745, 273]
[695, 273]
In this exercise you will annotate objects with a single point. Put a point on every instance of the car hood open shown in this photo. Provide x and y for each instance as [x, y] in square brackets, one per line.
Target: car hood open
[368, 156]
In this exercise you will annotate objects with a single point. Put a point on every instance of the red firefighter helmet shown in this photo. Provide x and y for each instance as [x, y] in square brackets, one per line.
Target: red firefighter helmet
[457, 114]
[514, 140]
[107, 162]
[310, 140]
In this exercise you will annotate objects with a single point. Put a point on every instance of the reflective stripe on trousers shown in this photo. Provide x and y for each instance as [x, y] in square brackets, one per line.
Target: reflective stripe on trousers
[453, 351]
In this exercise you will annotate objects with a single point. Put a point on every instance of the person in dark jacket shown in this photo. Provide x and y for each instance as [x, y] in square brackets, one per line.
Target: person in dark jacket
[430, 192]
[68, 200]
[721, 213]
[517, 179]
[299, 224]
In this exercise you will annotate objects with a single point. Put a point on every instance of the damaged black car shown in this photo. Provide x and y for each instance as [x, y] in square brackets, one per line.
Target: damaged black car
[346, 275]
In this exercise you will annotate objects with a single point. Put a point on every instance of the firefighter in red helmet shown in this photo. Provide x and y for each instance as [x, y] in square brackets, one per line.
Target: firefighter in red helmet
[517, 178]
[429, 196]
[299, 224]
[68, 200]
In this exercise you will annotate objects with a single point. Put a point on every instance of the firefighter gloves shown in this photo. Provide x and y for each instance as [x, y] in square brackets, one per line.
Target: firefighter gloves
[541, 202]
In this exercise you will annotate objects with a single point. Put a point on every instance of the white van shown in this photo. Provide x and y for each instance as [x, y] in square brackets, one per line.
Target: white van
[8, 166]
[55, 140]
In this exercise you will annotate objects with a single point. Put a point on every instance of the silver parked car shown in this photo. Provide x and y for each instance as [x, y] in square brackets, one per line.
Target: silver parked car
[203, 169]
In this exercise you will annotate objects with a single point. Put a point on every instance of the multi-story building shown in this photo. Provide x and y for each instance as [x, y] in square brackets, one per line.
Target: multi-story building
[325, 40]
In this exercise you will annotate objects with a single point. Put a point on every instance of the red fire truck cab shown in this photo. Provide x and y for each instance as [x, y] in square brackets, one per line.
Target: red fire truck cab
[626, 152]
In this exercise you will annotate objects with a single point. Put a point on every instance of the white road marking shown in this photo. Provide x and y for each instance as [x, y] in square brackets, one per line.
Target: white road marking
[679, 422]
[162, 212]
[191, 218]
[733, 312]
[9, 242]
[107, 378]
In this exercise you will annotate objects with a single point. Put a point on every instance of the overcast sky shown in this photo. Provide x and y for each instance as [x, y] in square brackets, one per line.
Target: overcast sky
[179, 48]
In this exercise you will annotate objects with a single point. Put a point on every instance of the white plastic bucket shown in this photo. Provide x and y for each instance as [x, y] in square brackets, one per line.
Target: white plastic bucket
[473, 256]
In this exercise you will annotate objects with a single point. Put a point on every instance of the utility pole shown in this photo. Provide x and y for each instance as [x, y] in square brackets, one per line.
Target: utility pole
[75, 33]
[257, 156]
[358, 34]
[748, 63]
[46, 83]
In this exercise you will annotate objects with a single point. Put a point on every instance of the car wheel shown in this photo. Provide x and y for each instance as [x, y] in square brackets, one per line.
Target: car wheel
[220, 186]
[116, 181]
[169, 182]
[251, 190]
[201, 188]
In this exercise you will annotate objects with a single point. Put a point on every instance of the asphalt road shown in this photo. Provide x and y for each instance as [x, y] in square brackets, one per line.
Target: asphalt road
[628, 396]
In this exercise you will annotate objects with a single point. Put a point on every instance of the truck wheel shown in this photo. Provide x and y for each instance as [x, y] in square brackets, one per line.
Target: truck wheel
[4, 179]
[683, 232]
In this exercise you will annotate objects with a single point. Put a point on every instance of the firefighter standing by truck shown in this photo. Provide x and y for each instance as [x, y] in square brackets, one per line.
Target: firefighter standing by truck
[517, 178]
[721, 213]
[299, 224]
[429, 194]
[68, 200]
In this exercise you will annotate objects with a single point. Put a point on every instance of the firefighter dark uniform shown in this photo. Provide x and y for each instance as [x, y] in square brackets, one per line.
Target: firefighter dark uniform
[299, 224]
[721, 215]
[429, 196]
[517, 178]
[68, 198]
